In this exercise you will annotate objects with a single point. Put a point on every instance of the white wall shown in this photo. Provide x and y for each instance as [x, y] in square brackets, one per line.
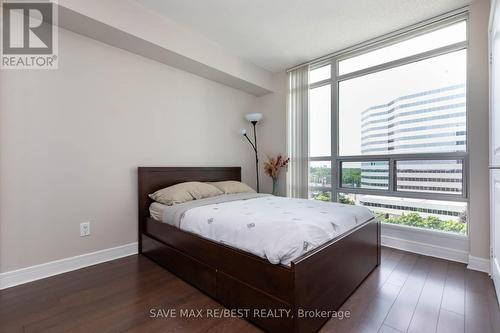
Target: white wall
[72, 138]
[272, 130]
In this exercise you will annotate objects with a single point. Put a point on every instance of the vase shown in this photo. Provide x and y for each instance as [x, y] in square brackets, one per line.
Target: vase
[275, 187]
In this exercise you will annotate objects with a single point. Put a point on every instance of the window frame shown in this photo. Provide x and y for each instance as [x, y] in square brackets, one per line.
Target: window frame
[334, 80]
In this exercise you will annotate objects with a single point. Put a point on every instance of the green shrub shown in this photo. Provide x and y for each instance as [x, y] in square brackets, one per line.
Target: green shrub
[344, 199]
[323, 196]
[429, 222]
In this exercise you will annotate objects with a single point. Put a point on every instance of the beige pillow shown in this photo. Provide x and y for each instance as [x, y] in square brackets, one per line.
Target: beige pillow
[232, 186]
[183, 192]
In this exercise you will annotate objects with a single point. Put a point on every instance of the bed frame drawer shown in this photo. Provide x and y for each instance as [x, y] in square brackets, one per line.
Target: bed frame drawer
[189, 269]
[236, 294]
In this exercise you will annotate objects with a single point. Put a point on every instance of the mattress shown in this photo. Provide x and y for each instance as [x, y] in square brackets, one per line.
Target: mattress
[275, 228]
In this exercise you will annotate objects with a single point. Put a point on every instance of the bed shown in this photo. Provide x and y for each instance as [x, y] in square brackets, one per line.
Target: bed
[320, 279]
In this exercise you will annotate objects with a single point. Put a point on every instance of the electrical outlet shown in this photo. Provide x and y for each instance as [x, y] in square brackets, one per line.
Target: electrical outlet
[84, 229]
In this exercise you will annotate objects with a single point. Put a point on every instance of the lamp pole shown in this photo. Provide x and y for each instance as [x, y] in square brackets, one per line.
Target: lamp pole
[254, 146]
[254, 119]
[256, 154]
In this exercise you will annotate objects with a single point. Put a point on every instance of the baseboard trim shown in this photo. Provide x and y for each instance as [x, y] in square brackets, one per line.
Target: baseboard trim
[473, 263]
[33, 273]
[479, 264]
[426, 249]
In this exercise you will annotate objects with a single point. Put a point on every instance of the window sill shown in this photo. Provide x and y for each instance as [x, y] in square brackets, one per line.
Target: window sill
[432, 232]
[450, 246]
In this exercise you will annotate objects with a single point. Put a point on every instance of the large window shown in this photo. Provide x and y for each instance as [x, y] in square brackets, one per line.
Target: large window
[388, 127]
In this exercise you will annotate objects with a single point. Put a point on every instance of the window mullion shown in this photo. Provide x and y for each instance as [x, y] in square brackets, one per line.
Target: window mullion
[334, 132]
[320, 84]
[392, 175]
[407, 60]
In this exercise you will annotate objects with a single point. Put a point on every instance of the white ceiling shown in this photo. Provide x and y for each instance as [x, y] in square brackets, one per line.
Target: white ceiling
[278, 34]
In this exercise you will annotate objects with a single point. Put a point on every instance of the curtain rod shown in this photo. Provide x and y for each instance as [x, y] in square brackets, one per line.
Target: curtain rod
[390, 35]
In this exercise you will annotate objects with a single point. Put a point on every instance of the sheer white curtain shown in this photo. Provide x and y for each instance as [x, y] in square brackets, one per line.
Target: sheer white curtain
[298, 132]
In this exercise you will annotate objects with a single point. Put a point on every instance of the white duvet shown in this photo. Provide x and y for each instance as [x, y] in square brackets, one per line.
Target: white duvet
[278, 229]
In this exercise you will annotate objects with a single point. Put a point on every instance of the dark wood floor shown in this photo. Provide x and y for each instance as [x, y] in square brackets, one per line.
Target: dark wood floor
[408, 293]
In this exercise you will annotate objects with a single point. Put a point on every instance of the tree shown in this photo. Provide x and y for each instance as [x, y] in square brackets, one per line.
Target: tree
[320, 174]
[351, 177]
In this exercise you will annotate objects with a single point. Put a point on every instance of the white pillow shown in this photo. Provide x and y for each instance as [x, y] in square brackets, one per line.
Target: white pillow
[184, 192]
[232, 186]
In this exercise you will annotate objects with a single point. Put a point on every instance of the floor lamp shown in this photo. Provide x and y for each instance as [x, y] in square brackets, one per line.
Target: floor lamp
[254, 118]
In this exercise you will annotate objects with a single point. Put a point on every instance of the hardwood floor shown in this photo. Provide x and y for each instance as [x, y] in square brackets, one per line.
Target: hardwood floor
[408, 293]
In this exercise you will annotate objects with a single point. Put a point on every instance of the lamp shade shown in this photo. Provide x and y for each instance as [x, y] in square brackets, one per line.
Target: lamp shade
[253, 116]
[243, 131]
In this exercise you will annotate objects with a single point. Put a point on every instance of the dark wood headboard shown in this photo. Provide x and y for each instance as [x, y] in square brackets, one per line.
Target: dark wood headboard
[152, 179]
